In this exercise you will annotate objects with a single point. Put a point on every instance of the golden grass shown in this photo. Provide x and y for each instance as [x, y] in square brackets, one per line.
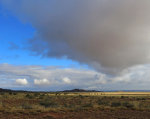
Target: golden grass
[104, 94]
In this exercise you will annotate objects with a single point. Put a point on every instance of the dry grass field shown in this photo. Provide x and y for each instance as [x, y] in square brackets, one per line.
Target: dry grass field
[75, 105]
[119, 93]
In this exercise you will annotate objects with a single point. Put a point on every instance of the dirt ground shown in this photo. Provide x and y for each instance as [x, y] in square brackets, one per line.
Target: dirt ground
[82, 114]
[64, 106]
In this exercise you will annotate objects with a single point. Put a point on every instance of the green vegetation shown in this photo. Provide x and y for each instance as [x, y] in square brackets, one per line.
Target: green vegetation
[43, 102]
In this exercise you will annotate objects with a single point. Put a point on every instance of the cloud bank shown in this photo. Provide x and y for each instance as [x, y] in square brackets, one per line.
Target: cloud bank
[109, 35]
[33, 77]
[41, 82]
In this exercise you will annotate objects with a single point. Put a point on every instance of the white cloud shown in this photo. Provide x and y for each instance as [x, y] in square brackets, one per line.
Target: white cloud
[21, 81]
[56, 78]
[66, 80]
[41, 82]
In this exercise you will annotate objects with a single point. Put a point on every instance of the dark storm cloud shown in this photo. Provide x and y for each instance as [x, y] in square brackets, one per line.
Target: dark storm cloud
[107, 34]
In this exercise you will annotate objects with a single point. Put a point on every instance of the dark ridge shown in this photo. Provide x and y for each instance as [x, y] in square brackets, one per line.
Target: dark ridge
[5, 90]
[73, 90]
[9, 90]
[80, 90]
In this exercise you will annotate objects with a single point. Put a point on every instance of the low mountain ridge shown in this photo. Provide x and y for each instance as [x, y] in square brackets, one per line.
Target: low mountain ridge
[80, 90]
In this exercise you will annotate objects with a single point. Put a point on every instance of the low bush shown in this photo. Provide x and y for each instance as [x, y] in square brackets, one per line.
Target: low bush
[88, 105]
[14, 93]
[115, 104]
[41, 96]
[122, 97]
[48, 103]
[2, 93]
[36, 94]
[102, 102]
[127, 105]
[26, 106]
[29, 96]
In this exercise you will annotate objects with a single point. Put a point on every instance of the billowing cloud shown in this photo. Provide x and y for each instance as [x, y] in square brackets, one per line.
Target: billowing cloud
[21, 81]
[41, 82]
[66, 80]
[109, 35]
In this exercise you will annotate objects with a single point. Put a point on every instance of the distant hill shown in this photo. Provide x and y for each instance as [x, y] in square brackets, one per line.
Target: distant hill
[5, 90]
[9, 90]
[74, 90]
[80, 90]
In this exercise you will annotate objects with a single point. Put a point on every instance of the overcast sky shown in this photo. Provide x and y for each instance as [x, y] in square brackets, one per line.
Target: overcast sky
[66, 44]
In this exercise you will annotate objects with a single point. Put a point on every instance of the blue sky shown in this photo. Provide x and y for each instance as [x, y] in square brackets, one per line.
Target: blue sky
[14, 34]
[59, 45]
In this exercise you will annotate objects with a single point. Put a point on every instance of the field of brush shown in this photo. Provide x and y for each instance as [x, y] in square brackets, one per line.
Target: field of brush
[75, 105]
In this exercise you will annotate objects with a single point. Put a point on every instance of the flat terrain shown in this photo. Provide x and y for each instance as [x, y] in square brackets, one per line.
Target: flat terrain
[105, 93]
[77, 105]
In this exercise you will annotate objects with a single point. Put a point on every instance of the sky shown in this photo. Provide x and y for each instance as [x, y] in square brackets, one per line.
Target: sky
[55, 45]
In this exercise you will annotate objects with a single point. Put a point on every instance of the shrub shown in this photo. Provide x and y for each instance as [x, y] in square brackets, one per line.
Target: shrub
[2, 93]
[10, 93]
[26, 106]
[115, 104]
[88, 105]
[57, 93]
[41, 96]
[81, 96]
[101, 102]
[29, 96]
[143, 98]
[36, 94]
[14, 93]
[48, 103]
[127, 105]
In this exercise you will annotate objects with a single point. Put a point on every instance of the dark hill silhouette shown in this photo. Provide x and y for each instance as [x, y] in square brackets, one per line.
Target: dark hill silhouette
[9, 90]
[73, 90]
[5, 90]
[80, 90]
